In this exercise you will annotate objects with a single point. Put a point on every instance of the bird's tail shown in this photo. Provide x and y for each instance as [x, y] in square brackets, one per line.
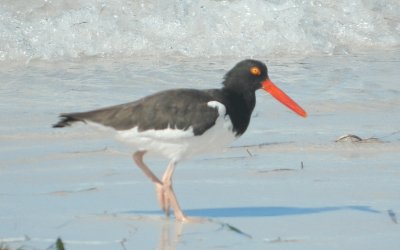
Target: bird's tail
[66, 120]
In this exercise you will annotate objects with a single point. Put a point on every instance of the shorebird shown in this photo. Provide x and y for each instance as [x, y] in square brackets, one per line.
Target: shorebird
[181, 123]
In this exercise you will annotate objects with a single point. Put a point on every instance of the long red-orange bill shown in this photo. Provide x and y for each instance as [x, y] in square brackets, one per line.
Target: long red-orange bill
[271, 88]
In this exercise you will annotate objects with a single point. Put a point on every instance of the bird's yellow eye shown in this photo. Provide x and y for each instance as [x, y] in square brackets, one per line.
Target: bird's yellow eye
[255, 71]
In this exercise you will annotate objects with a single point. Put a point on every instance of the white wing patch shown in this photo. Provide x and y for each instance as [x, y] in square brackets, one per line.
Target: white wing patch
[222, 114]
[219, 106]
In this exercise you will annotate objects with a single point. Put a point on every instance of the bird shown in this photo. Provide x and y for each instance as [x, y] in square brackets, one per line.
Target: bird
[181, 123]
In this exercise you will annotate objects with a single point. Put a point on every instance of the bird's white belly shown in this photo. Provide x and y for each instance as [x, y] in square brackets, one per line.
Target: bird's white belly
[177, 144]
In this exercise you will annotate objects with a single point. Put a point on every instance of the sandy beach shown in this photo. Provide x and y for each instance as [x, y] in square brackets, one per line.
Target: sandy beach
[286, 184]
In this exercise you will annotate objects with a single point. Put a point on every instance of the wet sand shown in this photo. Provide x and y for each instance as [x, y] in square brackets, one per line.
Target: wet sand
[286, 184]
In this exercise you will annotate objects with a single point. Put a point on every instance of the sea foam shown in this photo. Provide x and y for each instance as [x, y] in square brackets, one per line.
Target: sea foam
[56, 30]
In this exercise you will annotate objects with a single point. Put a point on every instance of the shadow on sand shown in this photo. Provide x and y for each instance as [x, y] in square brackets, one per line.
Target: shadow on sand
[171, 231]
[263, 211]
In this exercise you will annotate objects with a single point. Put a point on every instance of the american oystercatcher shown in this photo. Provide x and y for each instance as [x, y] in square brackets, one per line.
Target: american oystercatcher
[180, 123]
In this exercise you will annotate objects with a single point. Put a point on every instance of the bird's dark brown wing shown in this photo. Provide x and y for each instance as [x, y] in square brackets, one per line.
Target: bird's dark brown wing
[180, 109]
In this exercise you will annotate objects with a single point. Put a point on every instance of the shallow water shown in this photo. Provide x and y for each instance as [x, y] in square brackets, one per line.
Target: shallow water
[285, 182]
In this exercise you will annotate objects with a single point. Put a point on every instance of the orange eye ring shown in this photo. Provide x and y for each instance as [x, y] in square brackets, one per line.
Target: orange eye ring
[255, 71]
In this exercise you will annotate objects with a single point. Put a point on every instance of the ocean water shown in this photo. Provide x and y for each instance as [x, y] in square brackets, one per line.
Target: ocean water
[58, 29]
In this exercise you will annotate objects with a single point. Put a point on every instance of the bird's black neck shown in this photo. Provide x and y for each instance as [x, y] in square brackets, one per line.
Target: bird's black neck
[239, 107]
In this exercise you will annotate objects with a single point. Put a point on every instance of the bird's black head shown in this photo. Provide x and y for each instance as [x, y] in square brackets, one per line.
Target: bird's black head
[250, 75]
[247, 75]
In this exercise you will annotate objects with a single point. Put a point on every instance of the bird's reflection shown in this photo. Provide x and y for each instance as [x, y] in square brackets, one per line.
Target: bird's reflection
[170, 235]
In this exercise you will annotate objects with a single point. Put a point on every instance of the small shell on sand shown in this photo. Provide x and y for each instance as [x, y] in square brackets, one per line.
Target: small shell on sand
[357, 139]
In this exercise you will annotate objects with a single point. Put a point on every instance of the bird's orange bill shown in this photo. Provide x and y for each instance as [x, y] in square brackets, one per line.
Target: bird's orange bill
[271, 88]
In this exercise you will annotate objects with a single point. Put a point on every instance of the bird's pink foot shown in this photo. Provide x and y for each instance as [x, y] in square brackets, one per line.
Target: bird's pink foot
[187, 219]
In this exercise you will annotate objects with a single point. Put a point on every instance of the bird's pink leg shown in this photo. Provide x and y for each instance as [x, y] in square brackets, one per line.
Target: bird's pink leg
[171, 197]
[165, 192]
[138, 158]
[169, 192]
